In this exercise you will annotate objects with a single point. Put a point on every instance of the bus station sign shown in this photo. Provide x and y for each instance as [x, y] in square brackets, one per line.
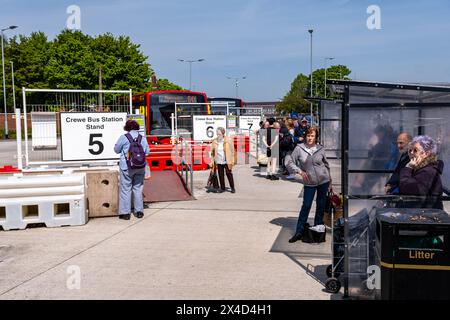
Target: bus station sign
[90, 136]
[205, 127]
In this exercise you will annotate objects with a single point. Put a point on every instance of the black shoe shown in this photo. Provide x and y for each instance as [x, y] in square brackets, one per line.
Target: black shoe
[295, 238]
[233, 191]
[269, 176]
[220, 191]
[124, 216]
[138, 214]
[275, 178]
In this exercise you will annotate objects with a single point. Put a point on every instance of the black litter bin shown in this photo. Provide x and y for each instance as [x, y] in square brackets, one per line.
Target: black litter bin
[413, 250]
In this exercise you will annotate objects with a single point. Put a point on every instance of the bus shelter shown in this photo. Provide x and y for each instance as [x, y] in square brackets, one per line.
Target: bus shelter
[373, 115]
[330, 125]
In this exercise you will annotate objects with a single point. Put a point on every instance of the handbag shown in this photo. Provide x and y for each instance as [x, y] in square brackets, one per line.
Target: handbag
[262, 159]
[311, 236]
[332, 205]
[212, 182]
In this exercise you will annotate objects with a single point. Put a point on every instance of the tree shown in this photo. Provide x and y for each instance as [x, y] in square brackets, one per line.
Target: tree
[294, 100]
[164, 84]
[30, 57]
[73, 61]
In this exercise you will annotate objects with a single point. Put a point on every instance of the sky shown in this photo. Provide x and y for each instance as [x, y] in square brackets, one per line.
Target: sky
[267, 41]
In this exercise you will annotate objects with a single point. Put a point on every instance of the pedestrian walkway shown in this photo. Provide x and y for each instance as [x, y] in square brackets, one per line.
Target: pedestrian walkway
[220, 246]
[165, 186]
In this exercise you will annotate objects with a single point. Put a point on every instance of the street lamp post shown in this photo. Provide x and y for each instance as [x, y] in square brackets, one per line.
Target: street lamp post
[311, 70]
[326, 67]
[190, 69]
[236, 81]
[4, 84]
[14, 89]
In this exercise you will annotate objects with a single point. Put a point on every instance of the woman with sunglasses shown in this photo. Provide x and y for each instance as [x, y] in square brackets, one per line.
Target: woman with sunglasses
[422, 175]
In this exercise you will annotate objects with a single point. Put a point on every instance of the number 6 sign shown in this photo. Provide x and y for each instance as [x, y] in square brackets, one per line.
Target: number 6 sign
[90, 136]
[205, 127]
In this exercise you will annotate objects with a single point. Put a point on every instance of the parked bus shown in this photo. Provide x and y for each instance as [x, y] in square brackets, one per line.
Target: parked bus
[158, 106]
[233, 103]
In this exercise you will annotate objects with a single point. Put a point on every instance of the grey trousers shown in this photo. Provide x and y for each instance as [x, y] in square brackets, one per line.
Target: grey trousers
[131, 184]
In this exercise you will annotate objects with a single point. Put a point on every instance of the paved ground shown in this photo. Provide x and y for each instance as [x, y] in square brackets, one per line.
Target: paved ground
[220, 246]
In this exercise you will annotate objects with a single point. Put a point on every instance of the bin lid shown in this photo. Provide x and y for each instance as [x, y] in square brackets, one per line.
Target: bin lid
[413, 216]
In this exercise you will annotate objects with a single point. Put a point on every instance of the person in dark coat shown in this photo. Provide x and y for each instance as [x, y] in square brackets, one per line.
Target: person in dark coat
[403, 141]
[422, 175]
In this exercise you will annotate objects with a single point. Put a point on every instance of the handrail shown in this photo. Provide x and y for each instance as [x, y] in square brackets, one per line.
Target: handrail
[183, 165]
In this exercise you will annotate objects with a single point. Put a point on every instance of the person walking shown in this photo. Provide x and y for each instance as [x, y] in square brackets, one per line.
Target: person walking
[223, 156]
[133, 149]
[309, 162]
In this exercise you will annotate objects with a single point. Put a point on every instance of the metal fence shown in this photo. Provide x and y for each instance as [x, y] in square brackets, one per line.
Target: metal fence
[44, 107]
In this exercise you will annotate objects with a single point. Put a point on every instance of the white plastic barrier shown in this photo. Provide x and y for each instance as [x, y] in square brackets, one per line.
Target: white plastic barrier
[57, 200]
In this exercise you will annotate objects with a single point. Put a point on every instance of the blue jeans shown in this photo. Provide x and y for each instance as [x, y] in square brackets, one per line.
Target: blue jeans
[308, 197]
[131, 184]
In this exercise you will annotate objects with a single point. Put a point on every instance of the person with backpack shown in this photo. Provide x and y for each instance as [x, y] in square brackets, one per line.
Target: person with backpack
[133, 149]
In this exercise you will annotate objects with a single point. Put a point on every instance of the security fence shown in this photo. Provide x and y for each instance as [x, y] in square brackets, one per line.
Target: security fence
[46, 108]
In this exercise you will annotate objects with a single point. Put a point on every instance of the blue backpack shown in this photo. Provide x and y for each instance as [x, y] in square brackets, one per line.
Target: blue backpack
[136, 154]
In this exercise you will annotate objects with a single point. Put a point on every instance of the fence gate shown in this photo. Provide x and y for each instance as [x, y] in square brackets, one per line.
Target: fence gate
[94, 110]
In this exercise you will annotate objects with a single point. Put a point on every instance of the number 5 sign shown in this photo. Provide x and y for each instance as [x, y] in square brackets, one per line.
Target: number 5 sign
[90, 136]
[205, 127]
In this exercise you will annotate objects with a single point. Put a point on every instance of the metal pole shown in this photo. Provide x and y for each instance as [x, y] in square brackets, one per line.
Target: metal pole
[172, 123]
[131, 101]
[237, 88]
[18, 127]
[190, 75]
[311, 75]
[326, 68]
[25, 125]
[19, 140]
[14, 90]
[325, 81]
[4, 89]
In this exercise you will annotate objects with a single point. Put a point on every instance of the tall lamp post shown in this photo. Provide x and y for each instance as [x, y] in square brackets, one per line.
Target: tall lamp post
[311, 74]
[326, 67]
[14, 89]
[190, 69]
[4, 84]
[236, 81]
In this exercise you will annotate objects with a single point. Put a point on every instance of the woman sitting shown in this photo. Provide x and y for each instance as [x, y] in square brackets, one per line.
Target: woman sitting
[422, 175]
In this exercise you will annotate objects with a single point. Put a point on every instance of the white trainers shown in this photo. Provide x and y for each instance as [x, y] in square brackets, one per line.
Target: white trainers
[318, 228]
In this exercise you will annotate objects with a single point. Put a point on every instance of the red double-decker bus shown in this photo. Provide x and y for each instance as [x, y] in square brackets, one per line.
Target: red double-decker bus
[158, 106]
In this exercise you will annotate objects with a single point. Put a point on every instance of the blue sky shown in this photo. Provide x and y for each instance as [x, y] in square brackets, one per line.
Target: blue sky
[265, 40]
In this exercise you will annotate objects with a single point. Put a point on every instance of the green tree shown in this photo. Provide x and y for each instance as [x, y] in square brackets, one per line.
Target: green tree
[73, 61]
[30, 57]
[164, 84]
[294, 100]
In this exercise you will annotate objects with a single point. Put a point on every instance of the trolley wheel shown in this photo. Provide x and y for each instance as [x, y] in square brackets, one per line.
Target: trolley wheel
[330, 272]
[333, 285]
